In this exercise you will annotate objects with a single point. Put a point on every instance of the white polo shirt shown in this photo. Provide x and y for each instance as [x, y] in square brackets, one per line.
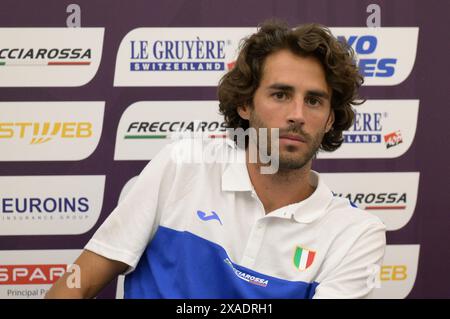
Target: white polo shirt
[199, 230]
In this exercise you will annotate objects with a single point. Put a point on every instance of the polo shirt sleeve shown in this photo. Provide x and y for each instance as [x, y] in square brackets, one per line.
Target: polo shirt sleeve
[357, 272]
[126, 232]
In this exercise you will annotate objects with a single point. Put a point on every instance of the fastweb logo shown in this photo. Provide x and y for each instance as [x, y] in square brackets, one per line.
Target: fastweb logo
[49, 56]
[43, 132]
[49, 131]
[398, 272]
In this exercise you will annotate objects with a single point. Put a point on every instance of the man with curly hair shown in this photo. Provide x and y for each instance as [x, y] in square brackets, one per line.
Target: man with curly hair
[226, 230]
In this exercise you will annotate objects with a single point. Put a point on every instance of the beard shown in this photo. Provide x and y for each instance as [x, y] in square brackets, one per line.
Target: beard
[290, 156]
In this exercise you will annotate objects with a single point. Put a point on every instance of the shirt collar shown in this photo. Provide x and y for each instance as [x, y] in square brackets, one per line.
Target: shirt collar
[235, 178]
[235, 175]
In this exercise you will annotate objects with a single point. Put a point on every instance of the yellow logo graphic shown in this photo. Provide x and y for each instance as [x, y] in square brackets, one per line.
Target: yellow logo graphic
[393, 273]
[42, 132]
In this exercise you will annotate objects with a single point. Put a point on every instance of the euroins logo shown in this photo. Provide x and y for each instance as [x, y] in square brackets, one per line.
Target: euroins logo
[45, 56]
[43, 132]
[383, 67]
[46, 208]
[164, 130]
[367, 128]
[178, 55]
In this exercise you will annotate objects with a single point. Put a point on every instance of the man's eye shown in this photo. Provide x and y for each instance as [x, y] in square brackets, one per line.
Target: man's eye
[313, 101]
[280, 95]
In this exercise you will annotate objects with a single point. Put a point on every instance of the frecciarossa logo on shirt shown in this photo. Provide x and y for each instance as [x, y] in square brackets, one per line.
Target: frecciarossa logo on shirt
[247, 277]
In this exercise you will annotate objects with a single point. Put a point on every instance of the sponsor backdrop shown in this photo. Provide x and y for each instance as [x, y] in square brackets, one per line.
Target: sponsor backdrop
[82, 110]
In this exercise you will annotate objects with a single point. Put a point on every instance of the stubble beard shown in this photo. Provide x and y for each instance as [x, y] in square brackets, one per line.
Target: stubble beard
[291, 158]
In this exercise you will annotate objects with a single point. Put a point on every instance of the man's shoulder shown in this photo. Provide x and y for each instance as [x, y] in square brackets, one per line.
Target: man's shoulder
[343, 211]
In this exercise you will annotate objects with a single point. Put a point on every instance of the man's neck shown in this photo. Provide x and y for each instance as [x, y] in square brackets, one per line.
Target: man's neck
[287, 186]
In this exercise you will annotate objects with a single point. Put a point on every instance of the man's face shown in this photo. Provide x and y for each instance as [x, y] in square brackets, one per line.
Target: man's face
[293, 96]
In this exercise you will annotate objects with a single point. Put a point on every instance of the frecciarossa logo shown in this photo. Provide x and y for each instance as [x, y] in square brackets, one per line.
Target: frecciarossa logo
[49, 57]
[45, 56]
[161, 130]
[390, 196]
[147, 126]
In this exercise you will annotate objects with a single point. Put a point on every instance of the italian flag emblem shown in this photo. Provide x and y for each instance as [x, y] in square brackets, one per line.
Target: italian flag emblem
[303, 258]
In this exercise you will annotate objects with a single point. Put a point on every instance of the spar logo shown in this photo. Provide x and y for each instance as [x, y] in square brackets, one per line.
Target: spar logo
[31, 274]
[28, 274]
[178, 55]
[146, 127]
[163, 130]
[380, 58]
[49, 57]
[378, 201]
[390, 196]
[45, 57]
[43, 132]
[381, 129]
[49, 131]
[49, 205]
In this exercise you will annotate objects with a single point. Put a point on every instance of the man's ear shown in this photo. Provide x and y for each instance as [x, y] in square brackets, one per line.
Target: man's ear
[330, 121]
[244, 112]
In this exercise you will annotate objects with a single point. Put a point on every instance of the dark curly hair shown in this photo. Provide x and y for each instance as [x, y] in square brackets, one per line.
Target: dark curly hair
[238, 86]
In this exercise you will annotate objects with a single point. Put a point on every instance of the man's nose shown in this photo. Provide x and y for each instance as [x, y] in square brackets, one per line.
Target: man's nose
[297, 111]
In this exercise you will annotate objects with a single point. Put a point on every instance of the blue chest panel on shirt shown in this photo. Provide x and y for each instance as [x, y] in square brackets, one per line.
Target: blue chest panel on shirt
[182, 265]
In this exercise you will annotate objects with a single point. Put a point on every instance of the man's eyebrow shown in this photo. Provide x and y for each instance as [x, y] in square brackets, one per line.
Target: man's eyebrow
[282, 87]
[290, 88]
[318, 93]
